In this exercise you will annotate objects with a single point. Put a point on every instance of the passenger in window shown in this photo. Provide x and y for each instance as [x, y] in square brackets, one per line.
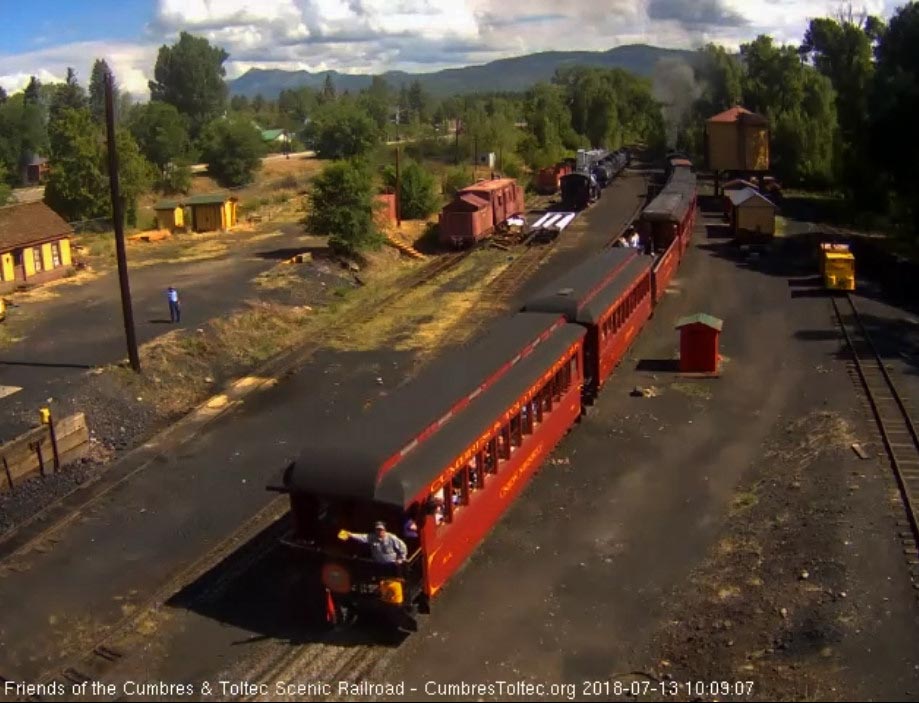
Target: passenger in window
[385, 548]
[436, 508]
[410, 528]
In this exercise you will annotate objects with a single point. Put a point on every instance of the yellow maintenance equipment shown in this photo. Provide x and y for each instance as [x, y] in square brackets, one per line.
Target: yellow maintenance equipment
[44, 414]
[837, 266]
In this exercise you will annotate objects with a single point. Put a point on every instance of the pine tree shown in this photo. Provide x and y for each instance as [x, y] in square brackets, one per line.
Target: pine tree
[97, 90]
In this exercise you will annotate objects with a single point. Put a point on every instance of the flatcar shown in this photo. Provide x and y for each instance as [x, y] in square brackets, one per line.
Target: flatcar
[837, 266]
[579, 190]
[610, 296]
[448, 451]
[479, 210]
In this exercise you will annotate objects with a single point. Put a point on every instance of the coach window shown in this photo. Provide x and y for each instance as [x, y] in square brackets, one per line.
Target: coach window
[491, 456]
[461, 487]
[573, 366]
[449, 499]
[504, 443]
[516, 430]
[478, 475]
[529, 416]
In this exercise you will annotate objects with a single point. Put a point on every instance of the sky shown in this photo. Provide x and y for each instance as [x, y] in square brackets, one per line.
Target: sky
[44, 37]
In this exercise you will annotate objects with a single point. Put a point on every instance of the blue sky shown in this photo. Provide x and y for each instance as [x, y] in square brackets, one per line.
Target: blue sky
[44, 37]
[31, 25]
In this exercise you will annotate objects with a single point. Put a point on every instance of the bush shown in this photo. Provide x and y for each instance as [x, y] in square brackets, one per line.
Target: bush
[512, 166]
[232, 149]
[342, 207]
[174, 179]
[418, 196]
[457, 178]
[340, 130]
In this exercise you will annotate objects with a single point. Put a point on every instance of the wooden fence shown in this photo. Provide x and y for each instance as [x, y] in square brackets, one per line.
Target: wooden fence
[33, 452]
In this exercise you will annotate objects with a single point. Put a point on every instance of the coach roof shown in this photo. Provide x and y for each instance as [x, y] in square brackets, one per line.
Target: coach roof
[375, 449]
[574, 293]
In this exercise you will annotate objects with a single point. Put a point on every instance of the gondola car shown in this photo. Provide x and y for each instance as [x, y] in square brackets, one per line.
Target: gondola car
[610, 296]
[449, 450]
[579, 190]
[479, 210]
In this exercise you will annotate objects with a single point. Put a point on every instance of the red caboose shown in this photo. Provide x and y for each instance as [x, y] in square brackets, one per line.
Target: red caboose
[478, 210]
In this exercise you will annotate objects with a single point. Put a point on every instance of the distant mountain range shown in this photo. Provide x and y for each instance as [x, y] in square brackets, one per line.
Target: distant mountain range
[513, 74]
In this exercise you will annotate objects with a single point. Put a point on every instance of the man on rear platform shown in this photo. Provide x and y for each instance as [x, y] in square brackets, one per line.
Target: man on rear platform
[385, 548]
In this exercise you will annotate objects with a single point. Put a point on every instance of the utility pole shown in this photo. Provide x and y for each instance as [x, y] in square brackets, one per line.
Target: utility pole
[118, 221]
[398, 191]
[475, 157]
[456, 155]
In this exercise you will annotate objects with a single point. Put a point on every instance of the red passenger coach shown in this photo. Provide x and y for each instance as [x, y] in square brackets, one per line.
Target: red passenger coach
[447, 452]
[610, 295]
[667, 222]
[478, 210]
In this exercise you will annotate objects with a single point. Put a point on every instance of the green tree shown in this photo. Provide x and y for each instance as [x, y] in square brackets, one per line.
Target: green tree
[328, 90]
[232, 149]
[189, 75]
[32, 92]
[5, 191]
[76, 187]
[418, 192]
[341, 130]
[418, 102]
[841, 49]
[160, 132]
[22, 133]
[69, 95]
[376, 101]
[800, 105]
[342, 207]
[175, 178]
[3, 95]
[240, 103]
[97, 90]
[135, 173]
[896, 103]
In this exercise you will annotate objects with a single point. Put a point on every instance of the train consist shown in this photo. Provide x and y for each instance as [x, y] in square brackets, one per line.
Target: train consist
[479, 211]
[594, 170]
[443, 456]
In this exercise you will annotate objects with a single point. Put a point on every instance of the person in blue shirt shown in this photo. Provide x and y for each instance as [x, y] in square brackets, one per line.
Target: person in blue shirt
[175, 312]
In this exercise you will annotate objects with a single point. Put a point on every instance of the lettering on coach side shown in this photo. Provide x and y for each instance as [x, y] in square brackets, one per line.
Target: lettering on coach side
[493, 431]
[521, 470]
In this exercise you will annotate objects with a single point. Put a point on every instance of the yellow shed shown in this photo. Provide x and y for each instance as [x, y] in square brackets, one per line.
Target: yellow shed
[737, 140]
[751, 213]
[169, 215]
[213, 212]
[34, 245]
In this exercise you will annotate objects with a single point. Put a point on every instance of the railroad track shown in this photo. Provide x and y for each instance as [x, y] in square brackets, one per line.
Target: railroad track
[892, 416]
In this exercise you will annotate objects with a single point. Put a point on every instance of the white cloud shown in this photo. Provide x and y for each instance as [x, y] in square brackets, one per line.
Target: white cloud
[131, 63]
[419, 35]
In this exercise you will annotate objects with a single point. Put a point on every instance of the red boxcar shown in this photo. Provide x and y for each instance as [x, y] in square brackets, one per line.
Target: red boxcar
[447, 452]
[478, 210]
[610, 295]
[548, 180]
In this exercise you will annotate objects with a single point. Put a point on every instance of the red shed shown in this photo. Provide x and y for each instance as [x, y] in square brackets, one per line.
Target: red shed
[699, 343]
